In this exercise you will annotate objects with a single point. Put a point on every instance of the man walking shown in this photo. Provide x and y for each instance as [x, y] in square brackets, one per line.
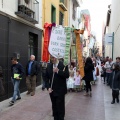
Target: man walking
[32, 70]
[56, 80]
[17, 72]
[44, 66]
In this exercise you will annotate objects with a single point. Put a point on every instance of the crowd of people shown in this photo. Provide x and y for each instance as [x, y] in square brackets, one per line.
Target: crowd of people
[111, 75]
[58, 79]
[96, 68]
[17, 73]
[75, 83]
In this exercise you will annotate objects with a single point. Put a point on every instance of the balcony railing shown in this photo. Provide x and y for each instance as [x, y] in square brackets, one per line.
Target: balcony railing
[63, 4]
[28, 10]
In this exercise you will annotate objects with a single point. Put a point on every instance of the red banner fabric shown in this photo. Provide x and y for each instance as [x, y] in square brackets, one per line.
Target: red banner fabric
[47, 32]
[87, 23]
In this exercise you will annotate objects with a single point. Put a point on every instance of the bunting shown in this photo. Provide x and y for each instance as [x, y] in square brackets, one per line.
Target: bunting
[68, 31]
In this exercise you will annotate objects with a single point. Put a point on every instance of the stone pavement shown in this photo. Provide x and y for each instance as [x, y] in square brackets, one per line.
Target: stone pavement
[78, 107]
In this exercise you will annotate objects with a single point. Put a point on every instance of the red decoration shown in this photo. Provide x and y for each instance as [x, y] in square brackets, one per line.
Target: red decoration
[47, 33]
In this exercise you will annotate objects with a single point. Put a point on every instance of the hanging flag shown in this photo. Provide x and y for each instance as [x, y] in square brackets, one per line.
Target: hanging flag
[47, 29]
[68, 31]
[79, 52]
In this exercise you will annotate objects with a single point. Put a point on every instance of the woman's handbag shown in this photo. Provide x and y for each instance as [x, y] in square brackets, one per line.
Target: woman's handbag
[97, 71]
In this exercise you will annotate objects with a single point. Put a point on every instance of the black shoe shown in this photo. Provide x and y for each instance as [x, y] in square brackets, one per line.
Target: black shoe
[55, 118]
[117, 100]
[43, 89]
[18, 98]
[112, 102]
[11, 103]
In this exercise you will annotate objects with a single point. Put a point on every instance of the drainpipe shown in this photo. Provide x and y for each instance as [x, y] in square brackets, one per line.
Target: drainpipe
[2, 3]
[112, 44]
[44, 11]
[8, 39]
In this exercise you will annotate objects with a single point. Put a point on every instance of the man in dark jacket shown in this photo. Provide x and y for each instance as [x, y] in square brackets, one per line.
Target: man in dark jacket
[115, 83]
[44, 67]
[32, 70]
[56, 81]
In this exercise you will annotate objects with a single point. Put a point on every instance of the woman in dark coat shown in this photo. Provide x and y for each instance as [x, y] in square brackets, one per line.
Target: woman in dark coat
[115, 84]
[88, 69]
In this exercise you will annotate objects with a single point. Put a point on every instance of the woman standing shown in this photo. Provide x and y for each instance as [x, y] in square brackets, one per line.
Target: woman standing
[88, 69]
[103, 71]
[115, 84]
[108, 66]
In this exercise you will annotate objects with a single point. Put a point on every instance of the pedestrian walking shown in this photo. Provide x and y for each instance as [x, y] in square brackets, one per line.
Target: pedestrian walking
[115, 84]
[103, 71]
[17, 73]
[44, 67]
[70, 83]
[117, 61]
[57, 74]
[88, 70]
[32, 70]
[77, 78]
[71, 71]
[108, 67]
[95, 73]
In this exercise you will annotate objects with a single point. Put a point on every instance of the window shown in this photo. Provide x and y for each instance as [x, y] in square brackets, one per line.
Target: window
[64, 2]
[53, 14]
[33, 45]
[61, 18]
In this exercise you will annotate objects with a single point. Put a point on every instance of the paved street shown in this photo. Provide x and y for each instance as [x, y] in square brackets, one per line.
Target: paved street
[78, 107]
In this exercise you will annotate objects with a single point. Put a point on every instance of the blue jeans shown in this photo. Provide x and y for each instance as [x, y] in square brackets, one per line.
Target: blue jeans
[16, 84]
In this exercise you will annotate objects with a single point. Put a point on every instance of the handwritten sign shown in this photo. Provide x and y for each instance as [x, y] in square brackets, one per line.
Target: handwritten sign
[57, 42]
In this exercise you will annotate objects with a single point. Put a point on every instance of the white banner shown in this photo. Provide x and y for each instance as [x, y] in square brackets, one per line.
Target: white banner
[57, 42]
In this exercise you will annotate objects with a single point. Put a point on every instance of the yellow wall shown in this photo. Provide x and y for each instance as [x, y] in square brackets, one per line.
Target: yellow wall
[46, 13]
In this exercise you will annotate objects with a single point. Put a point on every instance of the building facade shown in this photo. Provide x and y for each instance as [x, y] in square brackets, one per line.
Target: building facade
[20, 36]
[85, 23]
[113, 27]
[55, 11]
[73, 13]
[73, 22]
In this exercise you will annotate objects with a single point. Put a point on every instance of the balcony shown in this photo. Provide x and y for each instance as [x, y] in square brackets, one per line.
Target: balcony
[28, 10]
[63, 4]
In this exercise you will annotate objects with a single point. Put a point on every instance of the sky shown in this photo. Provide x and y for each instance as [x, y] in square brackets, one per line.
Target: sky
[98, 11]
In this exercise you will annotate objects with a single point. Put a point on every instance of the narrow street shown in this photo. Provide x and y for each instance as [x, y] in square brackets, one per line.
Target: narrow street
[78, 107]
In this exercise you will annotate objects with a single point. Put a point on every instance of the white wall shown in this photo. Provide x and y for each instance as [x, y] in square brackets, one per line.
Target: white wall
[40, 15]
[11, 6]
[71, 21]
[115, 26]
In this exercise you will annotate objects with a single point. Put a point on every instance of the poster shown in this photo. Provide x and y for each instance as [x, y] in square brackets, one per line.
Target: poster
[57, 42]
